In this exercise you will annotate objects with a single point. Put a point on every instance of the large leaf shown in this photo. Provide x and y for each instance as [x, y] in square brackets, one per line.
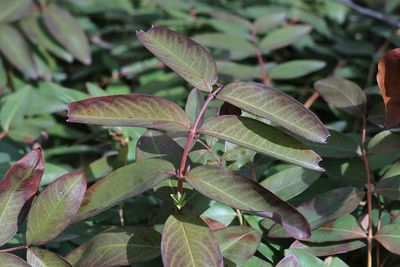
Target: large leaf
[11, 260]
[328, 249]
[238, 243]
[389, 187]
[183, 55]
[389, 83]
[295, 69]
[290, 182]
[389, 237]
[12, 10]
[324, 208]
[262, 138]
[130, 110]
[239, 192]
[66, 30]
[15, 49]
[276, 106]
[125, 182]
[284, 36]
[343, 94]
[37, 257]
[117, 247]
[18, 185]
[187, 242]
[55, 208]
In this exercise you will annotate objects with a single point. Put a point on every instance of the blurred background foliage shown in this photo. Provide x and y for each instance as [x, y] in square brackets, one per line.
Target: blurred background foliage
[55, 52]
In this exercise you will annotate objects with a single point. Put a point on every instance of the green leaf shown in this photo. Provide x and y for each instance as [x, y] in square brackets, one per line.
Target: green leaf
[343, 94]
[295, 69]
[324, 208]
[194, 103]
[276, 106]
[67, 31]
[37, 257]
[19, 184]
[15, 107]
[256, 262]
[65, 95]
[290, 182]
[16, 50]
[130, 110]
[239, 192]
[284, 36]
[11, 260]
[262, 138]
[12, 10]
[269, 21]
[302, 258]
[328, 249]
[117, 247]
[122, 184]
[389, 237]
[37, 35]
[389, 187]
[226, 41]
[238, 243]
[219, 212]
[187, 242]
[55, 208]
[239, 71]
[3, 75]
[184, 56]
[289, 261]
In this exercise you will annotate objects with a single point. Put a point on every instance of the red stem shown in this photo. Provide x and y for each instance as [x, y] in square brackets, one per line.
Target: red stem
[311, 99]
[210, 151]
[13, 249]
[260, 59]
[3, 134]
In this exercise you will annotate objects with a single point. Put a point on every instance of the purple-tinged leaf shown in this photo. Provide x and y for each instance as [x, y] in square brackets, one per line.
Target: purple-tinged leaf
[240, 192]
[389, 187]
[130, 110]
[328, 249]
[335, 262]
[238, 243]
[289, 261]
[262, 138]
[19, 184]
[304, 258]
[13, 10]
[55, 208]
[11, 260]
[324, 208]
[389, 237]
[66, 30]
[117, 247]
[38, 257]
[343, 94]
[187, 241]
[123, 183]
[184, 56]
[276, 106]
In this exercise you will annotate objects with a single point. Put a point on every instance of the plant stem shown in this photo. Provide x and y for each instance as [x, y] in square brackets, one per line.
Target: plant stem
[369, 190]
[13, 249]
[191, 136]
[260, 59]
[3, 134]
[209, 151]
[311, 99]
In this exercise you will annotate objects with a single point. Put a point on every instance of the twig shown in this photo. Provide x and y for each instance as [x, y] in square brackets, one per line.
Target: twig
[13, 249]
[260, 59]
[311, 99]
[3, 134]
[378, 227]
[240, 216]
[209, 150]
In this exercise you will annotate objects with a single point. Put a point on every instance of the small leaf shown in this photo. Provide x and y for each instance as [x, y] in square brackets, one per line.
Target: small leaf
[239, 192]
[389, 187]
[269, 21]
[295, 69]
[226, 41]
[11, 260]
[289, 261]
[324, 208]
[343, 94]
[187, 242]
[66, 30]
[194, 103]
[389, 237]
[276, 106]
[284, 36]
[184, 56]
[117, 247]
[19, 184]
[16, 50]
[130, 110]
[55, 208]
[37, 257]
[238, 243]
[125, 182]
[328, 249]
[262, 138]
[388, 81]
[12, 10]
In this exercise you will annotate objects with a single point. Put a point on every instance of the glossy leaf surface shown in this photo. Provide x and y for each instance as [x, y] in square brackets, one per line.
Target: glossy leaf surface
[38, 257]
[130, 110]
[183, 55]
[389, 237]
[276, 106]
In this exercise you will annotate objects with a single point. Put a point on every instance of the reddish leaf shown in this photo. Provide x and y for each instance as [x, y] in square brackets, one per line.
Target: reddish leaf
[20, 183]
[389, 82]
[328, 249]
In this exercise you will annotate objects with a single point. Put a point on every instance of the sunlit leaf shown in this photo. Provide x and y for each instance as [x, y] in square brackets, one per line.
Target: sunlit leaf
[38, 257]
[55, 208]
[388, 81]
[276, 106]
[19, 184]
[187, 242]
[284, 36]
[389, 237]
[328, 249]
[122, 184]
[66, 30]
[262, 138]
[239, 192]
[117, 247]
[11, 260]
[295, 69]
[183, 55]
[130, 110]
[343, 94]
